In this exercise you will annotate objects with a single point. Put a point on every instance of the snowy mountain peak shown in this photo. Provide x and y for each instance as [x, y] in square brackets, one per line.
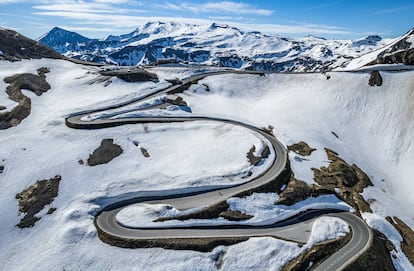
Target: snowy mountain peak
[214, 44]
[57, 38]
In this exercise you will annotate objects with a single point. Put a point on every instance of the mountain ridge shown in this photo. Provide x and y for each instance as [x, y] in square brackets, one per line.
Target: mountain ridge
[215, 45]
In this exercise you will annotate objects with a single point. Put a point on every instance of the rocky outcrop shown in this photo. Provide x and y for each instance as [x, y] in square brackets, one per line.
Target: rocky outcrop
[301, 148]
[132, 75]
[15, 47]
[297, 191]
[34, 198]
[105, 153]
[347, 181]
[255, 160]
[234, 215]
[375, 79]
[34, 83]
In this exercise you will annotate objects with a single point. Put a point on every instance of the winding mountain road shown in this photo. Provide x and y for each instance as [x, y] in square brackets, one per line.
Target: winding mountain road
[296, 228]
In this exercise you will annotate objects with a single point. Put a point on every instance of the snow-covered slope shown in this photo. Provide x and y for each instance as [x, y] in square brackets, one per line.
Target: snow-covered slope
[399, 52]
[214, 44]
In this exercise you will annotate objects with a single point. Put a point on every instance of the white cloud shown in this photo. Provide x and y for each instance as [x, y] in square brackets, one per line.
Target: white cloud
[98, 6]
[120, 22]
[4, 2]
[219, 7]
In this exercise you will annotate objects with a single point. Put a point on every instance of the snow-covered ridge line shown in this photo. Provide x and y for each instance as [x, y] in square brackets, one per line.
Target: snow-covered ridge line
[214, 44]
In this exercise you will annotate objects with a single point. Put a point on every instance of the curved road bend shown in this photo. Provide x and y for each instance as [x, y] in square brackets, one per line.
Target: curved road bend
[298, 231]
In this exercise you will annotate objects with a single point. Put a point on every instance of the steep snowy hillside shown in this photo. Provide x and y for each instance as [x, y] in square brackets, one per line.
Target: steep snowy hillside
[215, 44]
[350, 147]
[399, 52]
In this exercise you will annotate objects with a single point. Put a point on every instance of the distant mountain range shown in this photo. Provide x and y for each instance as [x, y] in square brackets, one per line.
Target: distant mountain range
[214, 44]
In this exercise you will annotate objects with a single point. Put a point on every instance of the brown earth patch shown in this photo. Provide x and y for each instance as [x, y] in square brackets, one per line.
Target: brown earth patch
[145, 152]
[34, 198]
[105, 153]
[34, 83]
[297, 191]
[255, 160]
[234, 215]
[350, 181]
[301, 148]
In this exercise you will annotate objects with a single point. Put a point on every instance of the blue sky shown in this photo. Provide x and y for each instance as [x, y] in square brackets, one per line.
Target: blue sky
[99, 18]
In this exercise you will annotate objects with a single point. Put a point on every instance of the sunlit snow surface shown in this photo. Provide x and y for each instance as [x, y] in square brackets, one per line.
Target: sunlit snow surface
[374, 125]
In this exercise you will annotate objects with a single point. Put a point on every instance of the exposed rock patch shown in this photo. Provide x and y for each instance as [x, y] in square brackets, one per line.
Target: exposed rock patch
[255, 160]
[34, 198]
[177, 101]
[407, 244]
[132, 75]
[34, 83]
[105, 153]
[1, 169]
[234, 215]
[375, 79]
[350, 181]
[297, 191]
[145, 152]
[301, 148]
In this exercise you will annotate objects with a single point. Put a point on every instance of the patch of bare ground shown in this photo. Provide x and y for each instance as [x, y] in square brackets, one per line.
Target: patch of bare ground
[375, 79]
[234, 215]
[301, 148]
[255, 160]
[34, 83]
[105, 153]
[349, 180]
[377, 257]
[145, 152]
[407, 234]
[132, 75]
[339, 178]
[1, 169]
[312, 257]
[177, 101]
[297, 191]
[34, 198]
